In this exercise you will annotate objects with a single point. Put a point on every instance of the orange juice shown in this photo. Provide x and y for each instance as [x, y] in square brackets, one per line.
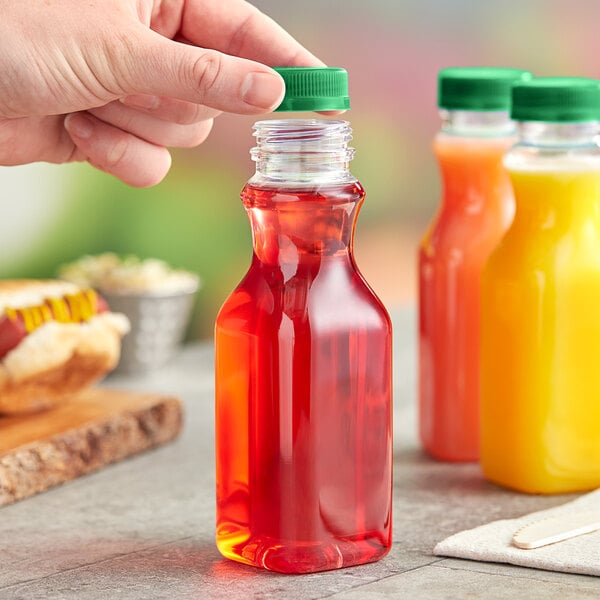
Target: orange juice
[477, 208]
[540, 347]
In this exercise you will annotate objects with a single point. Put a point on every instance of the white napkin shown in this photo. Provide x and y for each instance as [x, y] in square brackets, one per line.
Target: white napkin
[492, 542]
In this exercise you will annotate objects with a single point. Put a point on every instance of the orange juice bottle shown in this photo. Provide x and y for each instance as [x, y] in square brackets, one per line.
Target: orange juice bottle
[540, 313]
[477, 207]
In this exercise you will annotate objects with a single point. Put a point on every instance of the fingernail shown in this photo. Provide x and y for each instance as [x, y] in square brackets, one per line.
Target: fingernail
[79, 125]
[142, 101]
[263, 90]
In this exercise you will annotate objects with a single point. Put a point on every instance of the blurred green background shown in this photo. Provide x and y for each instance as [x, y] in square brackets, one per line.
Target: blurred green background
[392, 50]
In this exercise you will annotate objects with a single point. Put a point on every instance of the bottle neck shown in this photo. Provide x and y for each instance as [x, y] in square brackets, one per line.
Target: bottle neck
[550, 147]
[477, 124]
[559, 136]
[302, 153]
[469, 149]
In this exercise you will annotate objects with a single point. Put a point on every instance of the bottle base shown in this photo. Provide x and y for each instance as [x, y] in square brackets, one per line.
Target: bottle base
[539, 486]
[307, 557]
[453, 455]
[450, 457]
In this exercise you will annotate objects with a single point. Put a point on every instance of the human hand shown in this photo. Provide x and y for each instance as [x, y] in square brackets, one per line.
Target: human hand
[115, 82]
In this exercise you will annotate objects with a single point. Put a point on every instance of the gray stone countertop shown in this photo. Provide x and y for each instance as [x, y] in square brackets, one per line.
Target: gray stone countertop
[144, 528]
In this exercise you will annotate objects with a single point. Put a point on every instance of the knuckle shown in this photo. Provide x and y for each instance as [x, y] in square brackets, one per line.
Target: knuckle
[244, 31]
[117, 115]
[199, 134]
[206, 71]
[116, 154]
[74, 154]
[187, 113]
[117, 50]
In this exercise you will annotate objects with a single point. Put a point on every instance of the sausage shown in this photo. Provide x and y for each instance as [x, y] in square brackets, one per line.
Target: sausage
[15, 324]
[12, 331]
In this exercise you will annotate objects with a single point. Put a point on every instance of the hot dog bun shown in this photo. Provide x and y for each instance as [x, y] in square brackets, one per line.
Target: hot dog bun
[55, 359]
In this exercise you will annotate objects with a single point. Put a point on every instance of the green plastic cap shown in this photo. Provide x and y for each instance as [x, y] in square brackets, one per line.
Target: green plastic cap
[477, 88]
[557, 100]
[314, 89]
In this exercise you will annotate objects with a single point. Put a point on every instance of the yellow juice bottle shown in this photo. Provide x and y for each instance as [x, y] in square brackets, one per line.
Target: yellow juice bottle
[540, 299]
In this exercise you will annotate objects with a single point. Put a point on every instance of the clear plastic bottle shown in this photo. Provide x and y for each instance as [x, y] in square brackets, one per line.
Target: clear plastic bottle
[540, 330]
[477, 208]
[303, 359]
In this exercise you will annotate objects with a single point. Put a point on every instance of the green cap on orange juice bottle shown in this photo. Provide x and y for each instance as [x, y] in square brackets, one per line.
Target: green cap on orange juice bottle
[478, 88]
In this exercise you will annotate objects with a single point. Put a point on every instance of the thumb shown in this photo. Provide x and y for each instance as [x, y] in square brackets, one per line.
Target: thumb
[162, 67]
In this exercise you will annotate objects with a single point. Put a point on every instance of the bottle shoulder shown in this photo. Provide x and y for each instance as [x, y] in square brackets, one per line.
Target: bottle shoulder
[561, 146]
[528, 158]
[335, 298]
[446, 143]
[266, 195]
[541, 255]
[454, 231]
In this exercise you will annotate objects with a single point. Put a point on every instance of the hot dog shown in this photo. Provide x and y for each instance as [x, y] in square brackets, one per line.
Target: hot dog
[55, 339]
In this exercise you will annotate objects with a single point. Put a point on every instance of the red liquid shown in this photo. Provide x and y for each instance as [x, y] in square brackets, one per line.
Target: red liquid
[303, 393]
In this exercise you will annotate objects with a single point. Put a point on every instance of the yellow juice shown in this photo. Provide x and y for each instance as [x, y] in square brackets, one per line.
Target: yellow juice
[540, 337]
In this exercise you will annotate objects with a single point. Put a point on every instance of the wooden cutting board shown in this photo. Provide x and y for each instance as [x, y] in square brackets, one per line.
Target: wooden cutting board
[93, 429]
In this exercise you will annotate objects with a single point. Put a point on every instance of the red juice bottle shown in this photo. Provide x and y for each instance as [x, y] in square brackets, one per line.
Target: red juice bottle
[303, 360]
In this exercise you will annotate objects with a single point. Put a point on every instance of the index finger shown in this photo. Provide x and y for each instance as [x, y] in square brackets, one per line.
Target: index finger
[240, 29]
